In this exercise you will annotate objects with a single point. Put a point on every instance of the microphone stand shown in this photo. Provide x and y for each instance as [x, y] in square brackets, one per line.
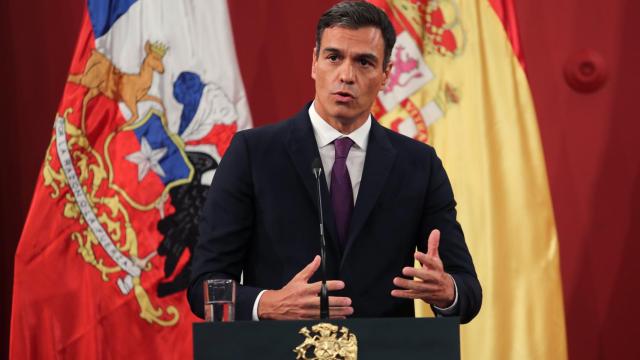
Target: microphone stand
[324, 295]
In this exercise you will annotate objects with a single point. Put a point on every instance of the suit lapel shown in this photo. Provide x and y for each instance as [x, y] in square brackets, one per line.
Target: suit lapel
[302, 148]
[378, 162]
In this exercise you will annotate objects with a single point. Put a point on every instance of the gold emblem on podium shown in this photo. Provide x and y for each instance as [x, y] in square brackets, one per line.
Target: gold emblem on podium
[327, 341]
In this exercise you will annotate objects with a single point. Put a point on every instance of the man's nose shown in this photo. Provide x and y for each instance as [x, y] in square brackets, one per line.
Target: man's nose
[347, 73]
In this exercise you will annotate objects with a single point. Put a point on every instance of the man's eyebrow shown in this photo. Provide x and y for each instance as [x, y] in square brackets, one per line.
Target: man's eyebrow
[367, 56]
[331, 50]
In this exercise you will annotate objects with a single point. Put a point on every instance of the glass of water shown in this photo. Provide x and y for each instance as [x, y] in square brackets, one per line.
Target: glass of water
[219, 300]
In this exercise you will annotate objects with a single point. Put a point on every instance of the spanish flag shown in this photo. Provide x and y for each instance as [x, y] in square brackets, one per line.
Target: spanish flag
[459, 83]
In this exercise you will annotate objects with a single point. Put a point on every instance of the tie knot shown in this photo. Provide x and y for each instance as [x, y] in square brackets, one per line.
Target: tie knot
[342, 145]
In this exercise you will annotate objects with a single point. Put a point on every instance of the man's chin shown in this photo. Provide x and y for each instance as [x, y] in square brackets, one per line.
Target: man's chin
[345, 112]
[345, 118]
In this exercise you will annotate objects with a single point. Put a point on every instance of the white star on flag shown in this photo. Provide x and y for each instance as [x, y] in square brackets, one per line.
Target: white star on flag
[147, 158]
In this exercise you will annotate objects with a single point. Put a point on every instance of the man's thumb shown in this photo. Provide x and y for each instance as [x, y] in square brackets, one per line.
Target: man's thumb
[308, 271]
[433, 243]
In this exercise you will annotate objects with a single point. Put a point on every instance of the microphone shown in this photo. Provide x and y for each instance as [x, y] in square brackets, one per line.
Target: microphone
[316, 165]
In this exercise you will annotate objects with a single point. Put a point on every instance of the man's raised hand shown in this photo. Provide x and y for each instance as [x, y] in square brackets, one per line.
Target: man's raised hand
[299, 299]
[431, 283]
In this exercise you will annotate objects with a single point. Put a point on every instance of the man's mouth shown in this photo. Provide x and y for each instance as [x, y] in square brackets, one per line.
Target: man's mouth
[343, 96]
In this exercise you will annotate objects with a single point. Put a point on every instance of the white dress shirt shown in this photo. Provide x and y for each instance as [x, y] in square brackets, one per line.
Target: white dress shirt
[325, 134]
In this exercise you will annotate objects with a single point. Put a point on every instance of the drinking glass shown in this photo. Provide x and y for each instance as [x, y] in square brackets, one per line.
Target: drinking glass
[219, 300]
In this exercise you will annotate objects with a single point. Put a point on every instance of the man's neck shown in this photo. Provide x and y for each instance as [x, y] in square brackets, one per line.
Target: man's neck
[346, 127]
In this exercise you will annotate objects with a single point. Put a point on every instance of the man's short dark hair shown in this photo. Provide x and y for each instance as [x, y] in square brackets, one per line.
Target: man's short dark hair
[355, 15]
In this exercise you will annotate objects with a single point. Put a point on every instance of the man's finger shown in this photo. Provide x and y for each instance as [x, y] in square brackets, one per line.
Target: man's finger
[339, 301]
[431, 262]
[332, 285]
[313, 302]
[334, 312]
[308, 271]
[406, 294]
[426, 275]
[410, 284]
[310, 314]
[340, 311]
[433, 243]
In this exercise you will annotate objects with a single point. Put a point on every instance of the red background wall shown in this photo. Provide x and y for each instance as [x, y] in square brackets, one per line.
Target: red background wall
[592, 158]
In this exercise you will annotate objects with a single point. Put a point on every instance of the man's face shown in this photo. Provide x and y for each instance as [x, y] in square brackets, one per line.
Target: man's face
[348, 73]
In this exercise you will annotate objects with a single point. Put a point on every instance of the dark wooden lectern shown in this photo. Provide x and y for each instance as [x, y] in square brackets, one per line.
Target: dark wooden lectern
[399, 338]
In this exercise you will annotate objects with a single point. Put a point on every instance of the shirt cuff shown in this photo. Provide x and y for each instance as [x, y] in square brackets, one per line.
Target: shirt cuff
[451, 310]
[254, 313]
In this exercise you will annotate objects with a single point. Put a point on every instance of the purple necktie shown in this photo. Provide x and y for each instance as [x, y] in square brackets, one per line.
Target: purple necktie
[341, 190]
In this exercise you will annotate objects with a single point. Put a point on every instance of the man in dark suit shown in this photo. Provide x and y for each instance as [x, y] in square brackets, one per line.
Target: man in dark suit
[383, 195]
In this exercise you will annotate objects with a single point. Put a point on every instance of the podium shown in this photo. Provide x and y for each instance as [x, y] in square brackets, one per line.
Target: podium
[389, 338]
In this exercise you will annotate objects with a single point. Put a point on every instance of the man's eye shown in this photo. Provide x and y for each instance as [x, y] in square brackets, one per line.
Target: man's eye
[332, 57]
[364, 62]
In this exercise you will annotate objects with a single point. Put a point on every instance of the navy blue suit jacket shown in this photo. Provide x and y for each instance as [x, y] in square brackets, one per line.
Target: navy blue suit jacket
[261, 219]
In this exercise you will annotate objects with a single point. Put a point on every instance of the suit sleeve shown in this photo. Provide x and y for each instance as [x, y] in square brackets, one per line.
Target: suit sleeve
[440, 213]
[225, 231]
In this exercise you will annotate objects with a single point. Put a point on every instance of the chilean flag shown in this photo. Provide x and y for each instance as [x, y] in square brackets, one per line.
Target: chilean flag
[153, 98]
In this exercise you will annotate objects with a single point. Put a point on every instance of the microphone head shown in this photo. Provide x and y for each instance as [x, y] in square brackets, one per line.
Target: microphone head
[316, 166]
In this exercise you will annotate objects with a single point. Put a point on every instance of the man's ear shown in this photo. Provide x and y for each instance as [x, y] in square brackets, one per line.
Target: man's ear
[314, 62]
[386, 74]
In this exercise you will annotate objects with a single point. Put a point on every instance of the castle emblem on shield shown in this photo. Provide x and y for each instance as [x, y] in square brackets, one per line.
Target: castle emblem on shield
[430, 33]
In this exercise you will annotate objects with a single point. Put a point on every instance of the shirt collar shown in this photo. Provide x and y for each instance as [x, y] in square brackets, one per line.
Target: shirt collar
[326, 134]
